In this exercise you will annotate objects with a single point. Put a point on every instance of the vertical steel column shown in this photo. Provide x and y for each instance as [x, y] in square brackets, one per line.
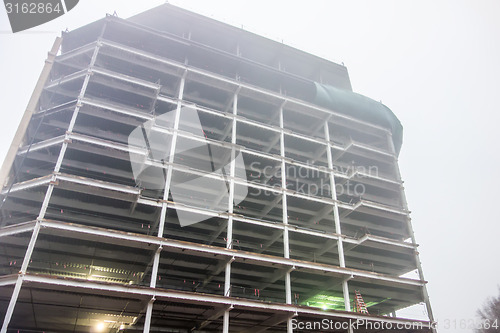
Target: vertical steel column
[336, 216]
[46, 200]
[410, 229]
[71, 126]
[230, 209]
[147, 316]
[286, 240]
[164, 205]
[171, 157]
[286, 244]
[152, 284]
[19, 282]
[225, 323]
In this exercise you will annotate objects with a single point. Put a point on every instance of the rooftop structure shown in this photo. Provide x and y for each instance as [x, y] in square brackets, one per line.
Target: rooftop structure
[176, 174]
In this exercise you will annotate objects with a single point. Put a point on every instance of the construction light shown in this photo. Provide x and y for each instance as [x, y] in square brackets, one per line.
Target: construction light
[100, 327]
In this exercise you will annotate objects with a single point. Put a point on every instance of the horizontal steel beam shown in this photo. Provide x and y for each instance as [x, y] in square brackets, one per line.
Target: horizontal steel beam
[73, 76]
[196, 298]
[136, 192]
[230, 253]
[8, 280]
[127, 78]
[220, 78]
[188, 135]
[98, 183]
[80, 50]
[54, 109]
[42, 144]
[17, 228]
[30, 184]
[137, 113]
[60, 177]
[375, 150]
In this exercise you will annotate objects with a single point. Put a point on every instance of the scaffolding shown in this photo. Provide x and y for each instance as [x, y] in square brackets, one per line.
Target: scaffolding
[106, 230]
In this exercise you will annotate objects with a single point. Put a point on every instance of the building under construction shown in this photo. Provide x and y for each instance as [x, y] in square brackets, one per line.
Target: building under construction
[173, 173]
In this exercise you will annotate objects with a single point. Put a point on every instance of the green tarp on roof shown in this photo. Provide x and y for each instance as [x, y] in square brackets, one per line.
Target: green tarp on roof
[360, 107]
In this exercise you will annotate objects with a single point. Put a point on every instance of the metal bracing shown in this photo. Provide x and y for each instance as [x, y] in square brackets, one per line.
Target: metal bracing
[43, 247]
[190, 297]
[76, 52]
[56, 179]
[387, 157]
[145, 238]
[305, 225]
[190, 136]
[17, 229]
[275, 236]
[247, 121]
[336, 216]
[45, 203]
[227, 253]
[270, 322]
[128, 111]
[217, 313]
[42, 145]
[68, 78]
[126, 78]
[51, 110]
[226, 80]
[412, 237]
[19, 282]
[129, 193]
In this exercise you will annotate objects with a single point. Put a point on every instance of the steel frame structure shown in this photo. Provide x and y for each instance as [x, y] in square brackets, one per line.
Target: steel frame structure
[79, 232]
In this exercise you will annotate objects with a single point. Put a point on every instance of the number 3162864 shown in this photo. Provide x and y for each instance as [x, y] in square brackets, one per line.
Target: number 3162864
[32, 8]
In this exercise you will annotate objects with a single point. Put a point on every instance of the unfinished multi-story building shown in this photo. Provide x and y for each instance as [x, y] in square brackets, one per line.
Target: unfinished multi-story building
[176, 174]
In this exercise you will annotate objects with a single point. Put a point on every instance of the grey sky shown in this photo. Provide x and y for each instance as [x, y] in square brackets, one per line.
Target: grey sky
[436, 64]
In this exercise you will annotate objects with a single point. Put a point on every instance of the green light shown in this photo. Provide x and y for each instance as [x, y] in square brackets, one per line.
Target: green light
[330, 302]
[325, 302]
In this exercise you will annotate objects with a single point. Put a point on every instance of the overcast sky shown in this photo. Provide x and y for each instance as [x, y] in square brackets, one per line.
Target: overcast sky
[436, 64]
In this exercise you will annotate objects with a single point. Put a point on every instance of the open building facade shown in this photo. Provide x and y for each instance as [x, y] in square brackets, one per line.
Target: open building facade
[176, 174]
